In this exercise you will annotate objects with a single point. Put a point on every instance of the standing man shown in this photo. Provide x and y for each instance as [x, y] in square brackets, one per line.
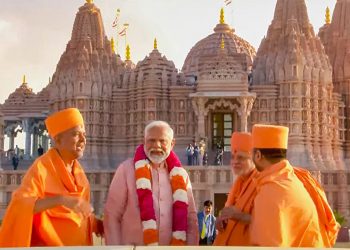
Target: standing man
[52, 205]
[233, 226]
[17, 150]
[150, 200]
[195, 154]
[206, 224]
[287, 212]
[201, 151]
[15, 161]
[189, 154]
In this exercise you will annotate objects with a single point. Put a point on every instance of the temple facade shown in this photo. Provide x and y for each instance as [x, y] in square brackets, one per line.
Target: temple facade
[335, 36]
[296, 79]
[292, 77]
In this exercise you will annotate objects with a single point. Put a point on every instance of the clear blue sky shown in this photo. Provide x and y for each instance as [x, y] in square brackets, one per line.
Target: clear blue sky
[33, 34]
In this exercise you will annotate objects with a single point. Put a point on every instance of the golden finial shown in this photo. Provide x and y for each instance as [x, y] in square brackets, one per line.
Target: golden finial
[222, 44]
[89, 1]
[328, 16]
[222, 16]
[127, 53]
[112, 45]
[155, 44]
[24, 79]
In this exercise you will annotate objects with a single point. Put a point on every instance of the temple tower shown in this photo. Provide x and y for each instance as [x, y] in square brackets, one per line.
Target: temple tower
[292, 77]
[335, 36]
[84, 78]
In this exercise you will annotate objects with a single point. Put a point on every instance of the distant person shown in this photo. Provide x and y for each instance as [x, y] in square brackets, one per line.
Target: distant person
[15, 161]
[195, 160]
[202, 149]
[205, 158]
[40, 150]
[17, 150]
[189, 154]
[206, 224]
[219, 156]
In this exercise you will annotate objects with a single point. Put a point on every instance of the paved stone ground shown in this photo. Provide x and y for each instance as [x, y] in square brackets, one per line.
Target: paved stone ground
[345, 245]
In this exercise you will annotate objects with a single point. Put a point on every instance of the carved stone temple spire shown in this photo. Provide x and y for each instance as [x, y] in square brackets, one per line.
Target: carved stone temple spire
[292, 73]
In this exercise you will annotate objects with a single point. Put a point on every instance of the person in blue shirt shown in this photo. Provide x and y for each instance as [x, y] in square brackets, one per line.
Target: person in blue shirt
[206, 224]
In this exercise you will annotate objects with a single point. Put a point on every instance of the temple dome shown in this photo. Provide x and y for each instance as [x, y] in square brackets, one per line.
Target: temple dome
[208, 47]
[21, 95]
[155, 60]
[155, 68]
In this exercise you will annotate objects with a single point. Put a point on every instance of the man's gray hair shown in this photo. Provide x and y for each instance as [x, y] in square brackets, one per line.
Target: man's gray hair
[160, 124]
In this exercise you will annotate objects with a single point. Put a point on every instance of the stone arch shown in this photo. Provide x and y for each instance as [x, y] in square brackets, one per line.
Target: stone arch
[221, 103]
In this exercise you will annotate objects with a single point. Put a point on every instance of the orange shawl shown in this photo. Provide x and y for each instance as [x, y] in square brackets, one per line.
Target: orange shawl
[291, 210]
[242, 196]
[58, 226]
[325, 214]
[243, 193]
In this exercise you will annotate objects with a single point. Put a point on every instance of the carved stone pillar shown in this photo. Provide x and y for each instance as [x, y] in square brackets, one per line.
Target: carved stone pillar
[199, 109]
[35, 144]
[244, 122]
[245, 110]
[10, 133]
[343, 205]
[11, 140]
[26, 124]
[45, 142]
[211, 177]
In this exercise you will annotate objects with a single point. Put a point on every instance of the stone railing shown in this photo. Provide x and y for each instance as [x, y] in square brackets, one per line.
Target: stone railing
[212, 182]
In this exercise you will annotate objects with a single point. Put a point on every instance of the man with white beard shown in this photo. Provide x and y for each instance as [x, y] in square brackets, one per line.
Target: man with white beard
[150, 200]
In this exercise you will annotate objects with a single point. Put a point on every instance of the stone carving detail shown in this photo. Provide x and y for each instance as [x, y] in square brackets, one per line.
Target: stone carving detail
[221, 103]
[291, 77]
[303, 92]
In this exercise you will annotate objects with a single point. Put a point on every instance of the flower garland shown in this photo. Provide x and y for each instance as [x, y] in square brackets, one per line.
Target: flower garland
[178, 178]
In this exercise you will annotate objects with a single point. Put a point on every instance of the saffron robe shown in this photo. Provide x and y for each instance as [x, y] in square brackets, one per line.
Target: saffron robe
[284, 213]
[58, 226]
[242, 194]
[325, 213]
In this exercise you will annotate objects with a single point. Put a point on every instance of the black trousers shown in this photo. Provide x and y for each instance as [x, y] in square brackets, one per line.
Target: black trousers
[203, 242]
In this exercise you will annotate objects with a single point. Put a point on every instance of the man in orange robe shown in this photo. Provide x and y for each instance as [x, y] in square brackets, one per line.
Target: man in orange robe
[52, 205]
[233, 228]
[290, 209]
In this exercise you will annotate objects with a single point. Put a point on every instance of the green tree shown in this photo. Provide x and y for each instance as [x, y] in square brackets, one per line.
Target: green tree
[339, 218]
